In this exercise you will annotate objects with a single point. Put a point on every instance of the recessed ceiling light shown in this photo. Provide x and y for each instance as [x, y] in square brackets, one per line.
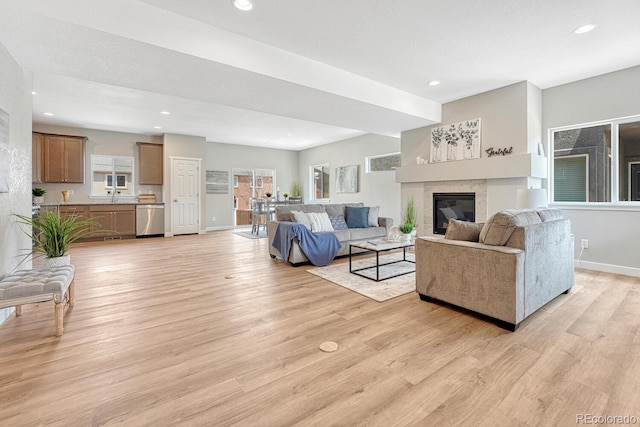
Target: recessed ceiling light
[244, 5]
[584, 28]
[157, 127]
[48, 114]
[289, 134]
[434, 83]
[33, 92]
[166, 113]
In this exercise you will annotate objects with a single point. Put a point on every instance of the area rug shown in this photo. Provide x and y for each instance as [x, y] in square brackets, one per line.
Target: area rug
[378, 291]
[249, 235]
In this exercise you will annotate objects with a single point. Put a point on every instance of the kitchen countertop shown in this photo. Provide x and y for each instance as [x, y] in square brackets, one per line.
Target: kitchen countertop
[133, 202]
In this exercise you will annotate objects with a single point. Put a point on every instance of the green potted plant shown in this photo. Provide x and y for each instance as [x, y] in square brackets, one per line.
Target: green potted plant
[410, 214]
[406, 230]
[296, 190]
[52, 235]
[38, 195]
[286, 196]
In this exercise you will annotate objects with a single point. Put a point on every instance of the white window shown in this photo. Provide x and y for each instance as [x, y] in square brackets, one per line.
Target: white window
[597, 162]
[382, 162]
[107, 170]
[319, 182]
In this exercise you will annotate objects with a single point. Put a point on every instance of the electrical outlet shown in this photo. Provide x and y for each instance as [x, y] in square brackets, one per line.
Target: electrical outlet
[213, 218]
[584, 243]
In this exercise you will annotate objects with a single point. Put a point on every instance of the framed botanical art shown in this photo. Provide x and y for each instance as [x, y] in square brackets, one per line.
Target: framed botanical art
[457, 141]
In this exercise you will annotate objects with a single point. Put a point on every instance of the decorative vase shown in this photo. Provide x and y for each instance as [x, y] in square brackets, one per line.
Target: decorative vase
[57, 261]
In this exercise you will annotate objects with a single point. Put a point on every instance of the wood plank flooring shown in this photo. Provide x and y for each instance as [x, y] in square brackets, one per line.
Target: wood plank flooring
[209, 330]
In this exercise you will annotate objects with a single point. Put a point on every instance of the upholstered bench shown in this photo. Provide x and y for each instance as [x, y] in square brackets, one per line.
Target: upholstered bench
[40, 285]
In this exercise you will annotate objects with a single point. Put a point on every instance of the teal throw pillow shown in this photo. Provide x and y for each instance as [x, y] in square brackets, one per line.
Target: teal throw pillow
[357, 217]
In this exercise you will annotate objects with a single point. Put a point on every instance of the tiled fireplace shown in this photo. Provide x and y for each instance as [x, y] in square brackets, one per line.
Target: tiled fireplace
[477, 187]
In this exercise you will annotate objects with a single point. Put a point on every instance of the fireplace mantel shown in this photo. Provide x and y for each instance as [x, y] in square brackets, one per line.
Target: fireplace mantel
[497, 167]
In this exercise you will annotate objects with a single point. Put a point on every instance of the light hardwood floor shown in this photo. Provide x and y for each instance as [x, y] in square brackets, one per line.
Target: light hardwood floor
[209, 330]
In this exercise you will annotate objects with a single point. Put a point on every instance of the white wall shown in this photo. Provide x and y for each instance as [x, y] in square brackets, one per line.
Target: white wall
[15, 100]
[226, 157]
[613, 233]
[376, 189]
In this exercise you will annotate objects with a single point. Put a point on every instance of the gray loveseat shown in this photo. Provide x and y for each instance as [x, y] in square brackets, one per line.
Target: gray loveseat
[296, 256]
[521, 260]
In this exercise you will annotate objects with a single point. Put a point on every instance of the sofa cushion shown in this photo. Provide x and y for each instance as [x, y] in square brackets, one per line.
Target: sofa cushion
[463, 230]
[319, 221]
[334, 209]
[357, 217]
[338, 222]
[283, 212]
[367, 233]
[499, 227]
[301, 218]
[374, 212]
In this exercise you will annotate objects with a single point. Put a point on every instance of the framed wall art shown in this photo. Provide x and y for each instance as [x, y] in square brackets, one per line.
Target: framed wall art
[347, 179]
[457, 141]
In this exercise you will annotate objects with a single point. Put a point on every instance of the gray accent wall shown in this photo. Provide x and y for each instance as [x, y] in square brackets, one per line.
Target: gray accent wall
[226, 157]
[376, 188]
[15, 100]
[612, 230]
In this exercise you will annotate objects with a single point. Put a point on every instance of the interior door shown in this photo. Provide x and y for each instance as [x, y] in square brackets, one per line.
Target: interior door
[185, 211]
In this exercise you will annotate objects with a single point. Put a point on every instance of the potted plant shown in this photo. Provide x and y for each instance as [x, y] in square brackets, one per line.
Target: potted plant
[38, 195]
[406, 230]
[285, 195]
[296, 190]
[53, 235]
[410, 214]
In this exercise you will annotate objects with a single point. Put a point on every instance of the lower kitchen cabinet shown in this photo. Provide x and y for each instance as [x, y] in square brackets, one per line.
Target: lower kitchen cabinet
[116, 221]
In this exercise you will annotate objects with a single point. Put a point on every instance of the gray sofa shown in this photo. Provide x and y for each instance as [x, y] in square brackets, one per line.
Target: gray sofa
[521, 260]
[296, 256]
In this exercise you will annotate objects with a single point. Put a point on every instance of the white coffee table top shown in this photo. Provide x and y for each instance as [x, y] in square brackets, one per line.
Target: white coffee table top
[382, 244]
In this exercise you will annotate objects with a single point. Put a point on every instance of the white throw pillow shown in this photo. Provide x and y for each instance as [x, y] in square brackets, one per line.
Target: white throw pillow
[374, 212]
[301, 218]
[319, 221]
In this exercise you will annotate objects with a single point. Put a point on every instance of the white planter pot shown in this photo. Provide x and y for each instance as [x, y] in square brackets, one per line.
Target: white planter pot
[57, 261]
[37, 200]
[407, 237]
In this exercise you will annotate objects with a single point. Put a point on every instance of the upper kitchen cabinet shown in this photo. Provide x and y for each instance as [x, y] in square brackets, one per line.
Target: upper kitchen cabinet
[63, 159]
[151, 160]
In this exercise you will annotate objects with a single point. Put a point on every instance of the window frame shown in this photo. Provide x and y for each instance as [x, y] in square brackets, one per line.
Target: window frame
[312, 188]
[614, 178]
[367, 162]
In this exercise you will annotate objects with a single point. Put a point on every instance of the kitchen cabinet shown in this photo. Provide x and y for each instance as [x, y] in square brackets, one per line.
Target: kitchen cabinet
[37, 143]
[78, 210]
[63, 159]
[116, 221]
[151, 161]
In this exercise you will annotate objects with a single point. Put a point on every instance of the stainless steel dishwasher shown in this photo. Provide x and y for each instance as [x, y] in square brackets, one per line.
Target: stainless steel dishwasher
[150, 220]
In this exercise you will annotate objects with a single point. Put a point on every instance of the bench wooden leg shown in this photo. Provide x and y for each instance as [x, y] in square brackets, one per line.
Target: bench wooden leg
[59, 318]
[18, 310]
[72, 294]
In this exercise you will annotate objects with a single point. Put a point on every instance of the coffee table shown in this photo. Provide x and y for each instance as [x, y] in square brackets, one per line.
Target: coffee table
[378, 246]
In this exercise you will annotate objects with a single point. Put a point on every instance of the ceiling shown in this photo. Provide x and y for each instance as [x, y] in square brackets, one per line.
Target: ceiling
[294, 74]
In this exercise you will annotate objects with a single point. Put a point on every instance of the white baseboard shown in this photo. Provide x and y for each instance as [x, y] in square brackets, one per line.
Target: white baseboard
[608, 268]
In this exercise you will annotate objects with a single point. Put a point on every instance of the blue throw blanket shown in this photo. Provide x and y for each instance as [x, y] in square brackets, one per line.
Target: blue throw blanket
[319, 248]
